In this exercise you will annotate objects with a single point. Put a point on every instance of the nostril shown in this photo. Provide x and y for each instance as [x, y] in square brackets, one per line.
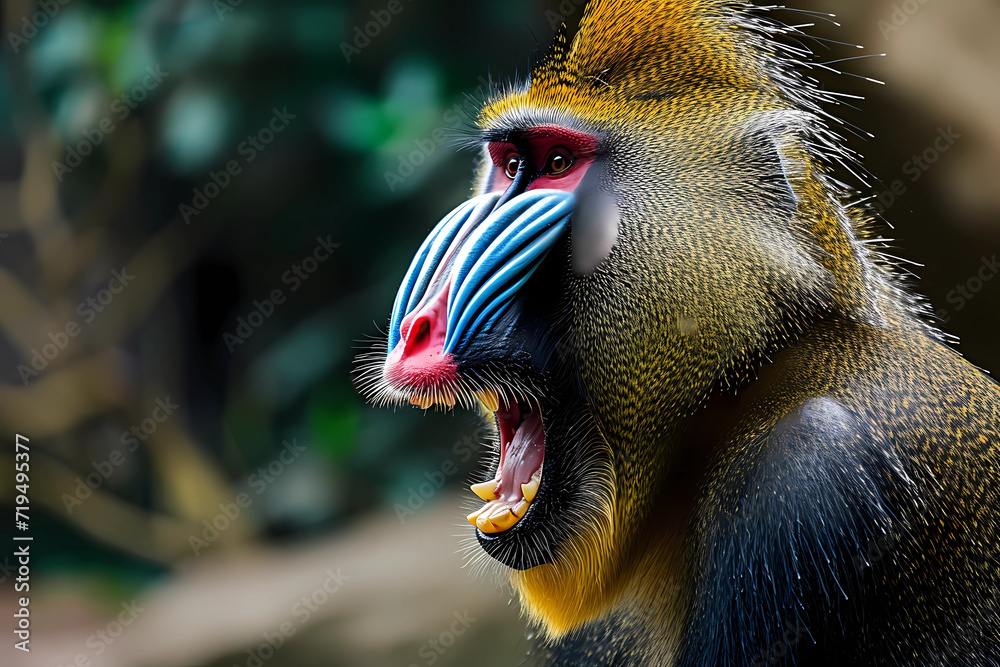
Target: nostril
[418, 334]
[419, 360]
[422, 333]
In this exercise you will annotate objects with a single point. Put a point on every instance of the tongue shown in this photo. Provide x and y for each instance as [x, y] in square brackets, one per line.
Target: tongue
[522, 456]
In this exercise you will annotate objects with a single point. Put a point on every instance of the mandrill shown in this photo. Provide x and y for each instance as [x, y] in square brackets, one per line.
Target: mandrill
[725, 433]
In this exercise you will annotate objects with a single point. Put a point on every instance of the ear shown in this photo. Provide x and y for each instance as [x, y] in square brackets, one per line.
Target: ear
[777, 139]
[787, 142]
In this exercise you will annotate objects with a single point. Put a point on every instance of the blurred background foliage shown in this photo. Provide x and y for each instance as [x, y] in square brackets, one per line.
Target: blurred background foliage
[166, 93]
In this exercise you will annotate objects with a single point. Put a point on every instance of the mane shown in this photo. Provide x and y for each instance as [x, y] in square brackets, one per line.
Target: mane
[629, 58]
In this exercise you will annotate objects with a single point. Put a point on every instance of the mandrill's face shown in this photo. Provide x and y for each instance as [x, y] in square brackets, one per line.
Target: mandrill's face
[482, 320]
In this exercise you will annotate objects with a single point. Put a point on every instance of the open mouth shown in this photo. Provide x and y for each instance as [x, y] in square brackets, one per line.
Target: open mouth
[475, 323]
[508, 496]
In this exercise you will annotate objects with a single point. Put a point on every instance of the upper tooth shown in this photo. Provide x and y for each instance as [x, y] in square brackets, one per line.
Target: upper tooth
[485, 490]
[490, 400]
[530, 489]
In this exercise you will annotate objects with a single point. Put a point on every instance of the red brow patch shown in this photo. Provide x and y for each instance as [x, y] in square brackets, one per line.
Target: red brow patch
[548, 136]
[542, 140]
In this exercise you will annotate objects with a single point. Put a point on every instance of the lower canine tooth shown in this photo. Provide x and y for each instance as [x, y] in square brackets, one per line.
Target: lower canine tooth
[503, 520]
[475, 515]
[529, 490]
[483, 523]
[485, 490]
[521, 508]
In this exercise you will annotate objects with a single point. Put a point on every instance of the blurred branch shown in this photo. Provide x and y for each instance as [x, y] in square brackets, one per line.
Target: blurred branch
[61, 399]
[126, 154]
[190, 484]
[11, 220]
[148, 535]
[22, 317]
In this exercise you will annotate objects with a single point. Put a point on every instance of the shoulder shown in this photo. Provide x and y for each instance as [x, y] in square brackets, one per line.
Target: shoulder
[798, 494]
[822, 444]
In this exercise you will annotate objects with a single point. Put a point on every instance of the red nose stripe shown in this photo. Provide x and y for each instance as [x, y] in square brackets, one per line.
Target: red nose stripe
[418, 360]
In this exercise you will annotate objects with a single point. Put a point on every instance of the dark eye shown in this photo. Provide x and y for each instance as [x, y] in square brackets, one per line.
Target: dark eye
[559, 161]
[513, 162]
